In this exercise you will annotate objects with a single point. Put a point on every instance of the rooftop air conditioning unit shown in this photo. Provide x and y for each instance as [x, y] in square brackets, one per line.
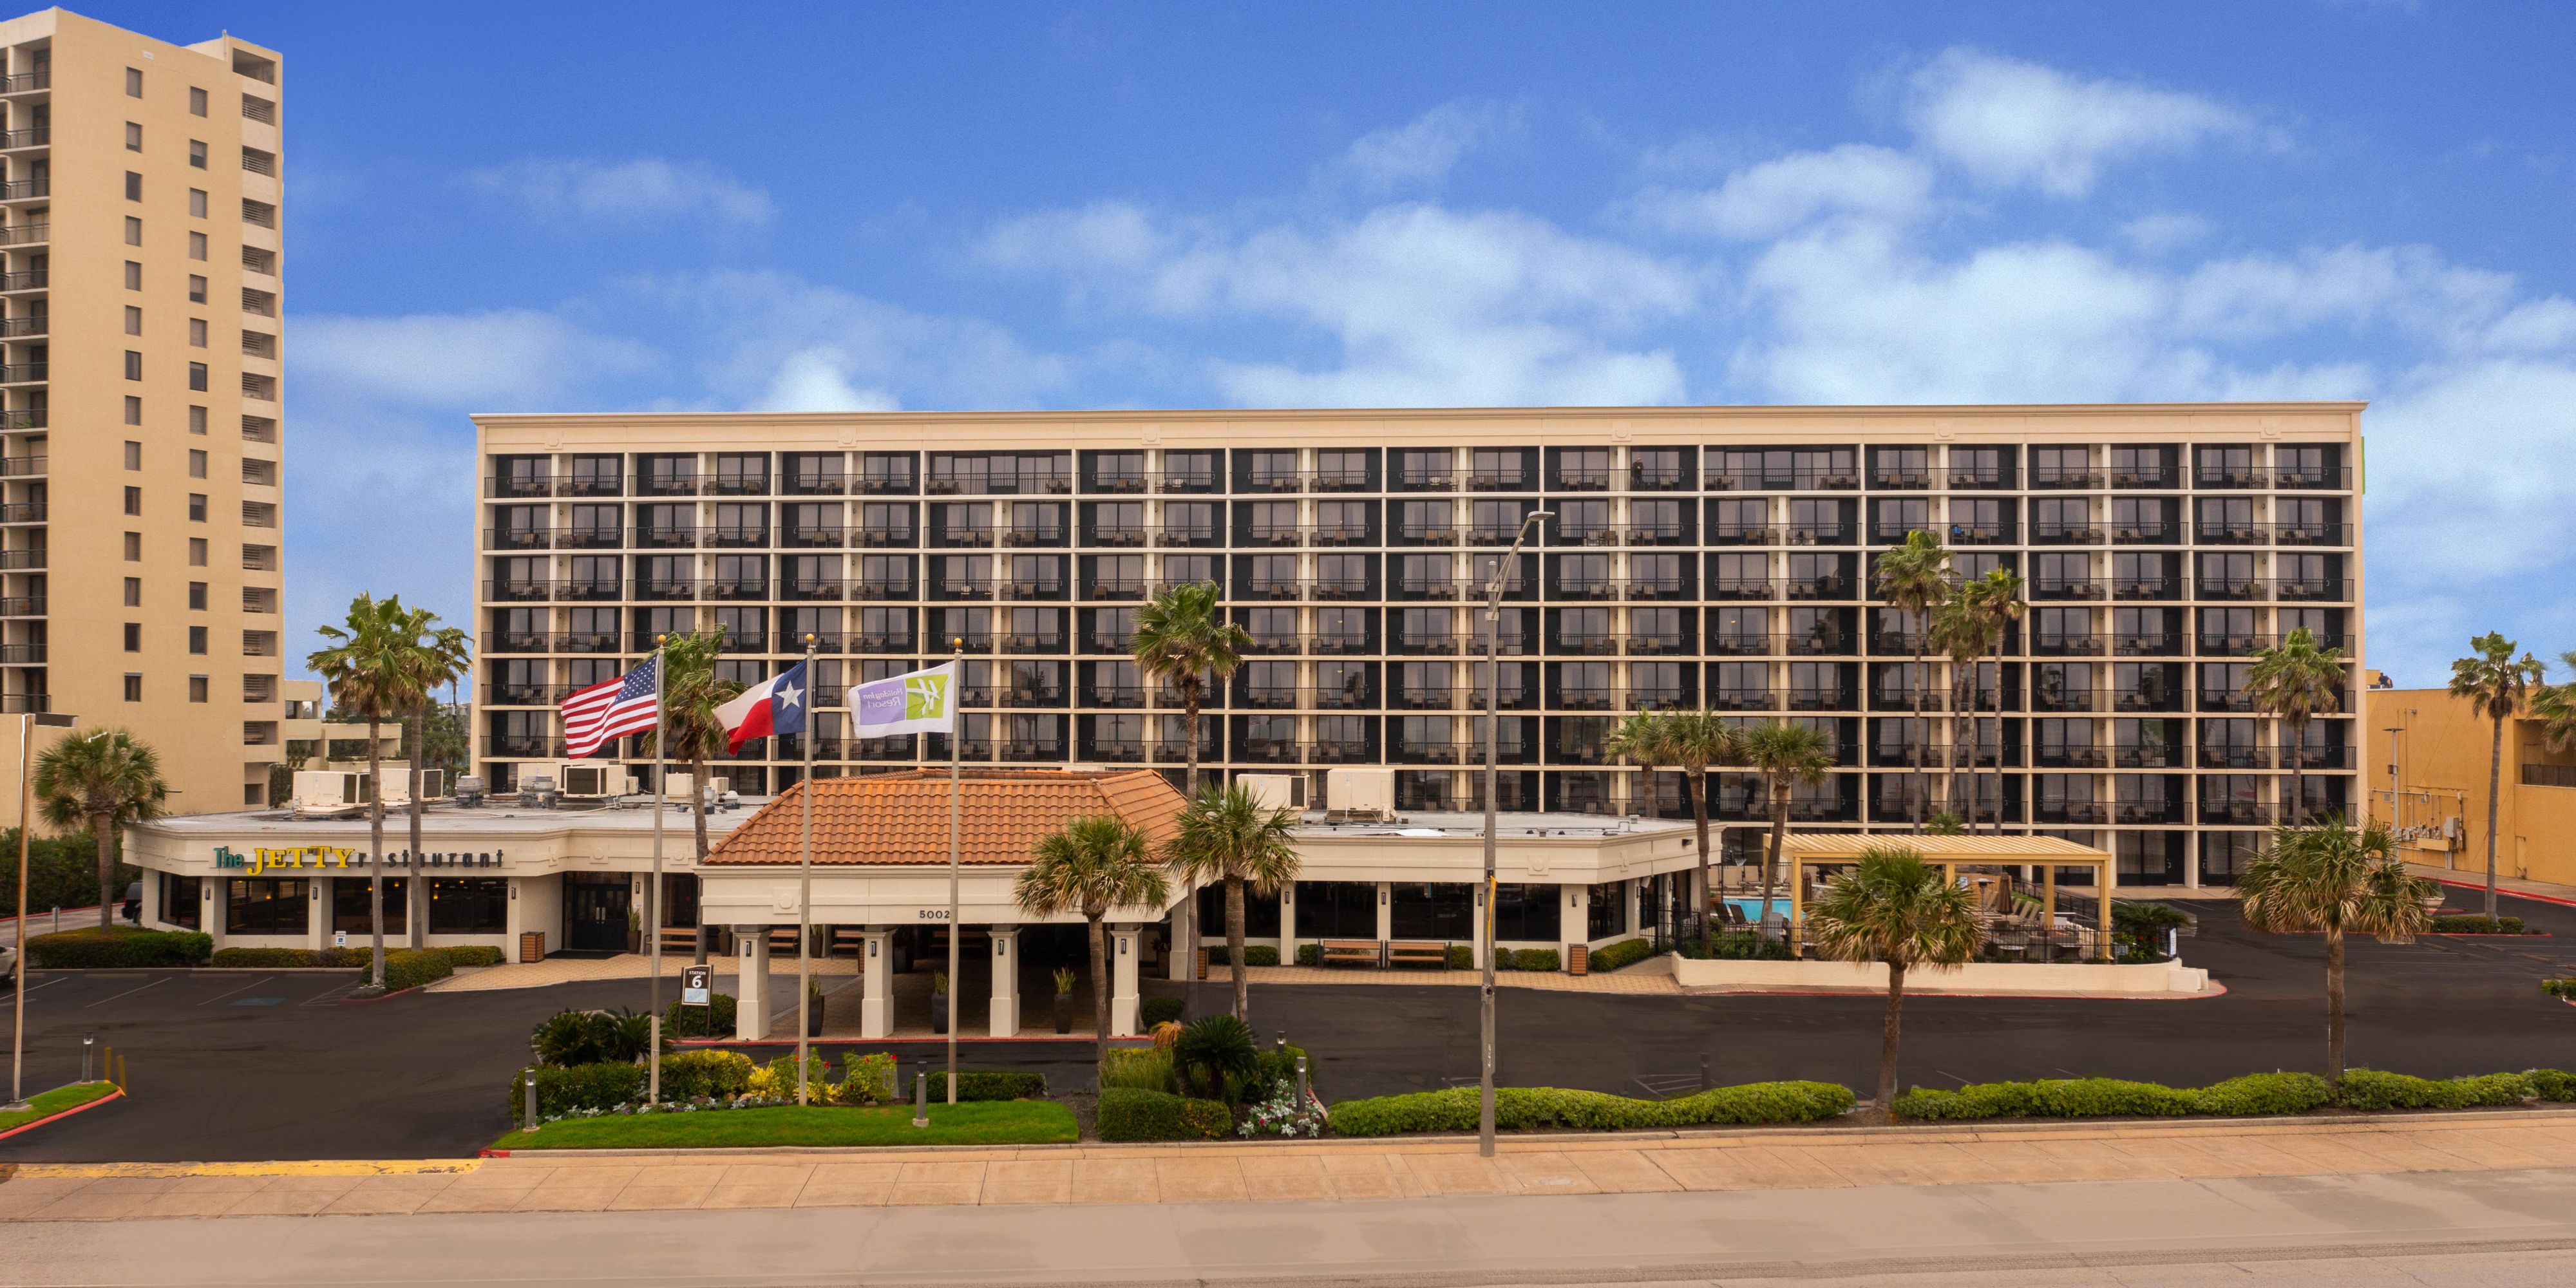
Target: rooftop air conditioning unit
[1360, 793]
[596, 782]
[469, 790]
[329, 791]
[682, 790]
[537, 791]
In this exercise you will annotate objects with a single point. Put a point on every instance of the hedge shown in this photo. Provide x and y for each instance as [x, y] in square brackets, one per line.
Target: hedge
[1253, 955]
[1462, 957]
[118, 946]
[1310, 954]
[2254, 1094]
[989, 1084]
[694, 1021]
[2553, 1084]
[413, 967]
[690, 1074]
[2565, 988]
[1159, 1010]
[1528, 1108]
[2374, 1089]
[2472, 924]
[581, 1086]
[1532, 959]
[288, 958]
[1626, 952]
[1127, 1113]
[2048, 1098]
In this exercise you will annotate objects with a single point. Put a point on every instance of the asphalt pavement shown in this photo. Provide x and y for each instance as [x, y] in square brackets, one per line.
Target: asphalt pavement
[275, 1065]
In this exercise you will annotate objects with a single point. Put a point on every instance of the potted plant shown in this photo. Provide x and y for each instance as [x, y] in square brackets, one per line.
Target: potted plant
[634, 931]
[1064, 999]
[939, 1001]
[813, 1007]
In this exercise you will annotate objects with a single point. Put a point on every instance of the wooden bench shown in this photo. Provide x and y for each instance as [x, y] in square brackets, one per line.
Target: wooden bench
[1417, 952]
[1363, 952]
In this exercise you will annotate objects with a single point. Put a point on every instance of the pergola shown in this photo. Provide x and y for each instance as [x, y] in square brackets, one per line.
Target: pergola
[1806, 853]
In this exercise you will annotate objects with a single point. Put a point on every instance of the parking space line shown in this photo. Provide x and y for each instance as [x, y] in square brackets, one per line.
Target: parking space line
[129, 992]
[253, 984]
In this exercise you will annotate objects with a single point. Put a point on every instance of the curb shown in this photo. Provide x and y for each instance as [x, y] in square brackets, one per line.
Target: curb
[82, 1107]
[381, 997]
[2502, 892]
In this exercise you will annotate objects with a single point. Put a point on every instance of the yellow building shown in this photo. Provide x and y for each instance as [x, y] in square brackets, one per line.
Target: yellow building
[139, 188]
[2431, 752]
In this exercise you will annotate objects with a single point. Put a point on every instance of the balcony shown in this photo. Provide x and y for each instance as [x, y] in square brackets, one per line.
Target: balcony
[2226, 700]
[1114, 588]
[14, 559]
[738, 537]
[2237, 813]
[739, 485]
[2146, 755]
[2166, 588]
[805, 483]
[592, 485]
[508, 486]
[31, 280]
[1741, 700]
[1580, 590]
[2054, 477]
[1042, 588]
[1033, 695]
[1429, 589]
[2309, 590]
[1261, 646]
[1985, 478]
[1739, 645]
[1738, 588]
[1826, 534]
[1983, 534]
[2145, 476]
[880, 589]
[2064, 757]
[2208, 479]
[2147, 534]
[1117, 642]
[2080, 813]
[22, 373]
[1341, 645]
[35, 234]
[2232, 756]
[666, 588]
[2059, 534]
[2317, 757]
[809, 588]
[1826, 587]
[883, 642]
[1733, 534]
[1339, 591]
[1034, 536]
[738, 588]
[1656, 645]
[1657, 700]
[962, 538]
[26, 189]
[1419, 480]
[747, 642]
[505, 591]
[665, 538]
[590, 538]
[1588, 698]
[1034, 642]
[1186, 538]
[1658, 534]
[1350, 699]
[2063, 589]
[2293, 478]
[526, 695]
[1267, 697]
[1899, 480]
[1115, 751]
[1579, 479]
[1442, 644]
[666, 485]
[2071, 702]
[1256, 751]
[1115, 538]
[1583, 644]
[523, 746]
[1121, 697]
[2125, 701]
[1433, 700]
[2066, 645]
[1811, 479]
[22, 606]
[797, 536]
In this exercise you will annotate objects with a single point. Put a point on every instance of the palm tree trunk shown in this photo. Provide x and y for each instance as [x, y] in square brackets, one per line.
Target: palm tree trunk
[1887, 1042]
[1099, 997]
[1707, 862]
[415, 906]
[1915, 683]
[2334, 1006]
[2495, 784]
[1959, 719]
[2298, 790]
[376, 851]
[1999, 731]
[1779, 841]
[102, 828]
[1190, 734]
[1234, 947]
[698, 775]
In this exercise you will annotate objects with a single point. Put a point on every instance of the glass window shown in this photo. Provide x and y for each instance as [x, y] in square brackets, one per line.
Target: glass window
[1433, 910]
[179, 900]
[1526, 912]
[266, 906]
[1260, 912]
[1337, 910]
[350, 910]
[469, 905]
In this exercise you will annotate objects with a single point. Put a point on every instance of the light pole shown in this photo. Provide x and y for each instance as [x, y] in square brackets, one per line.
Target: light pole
[1485, 895]
[18, 995]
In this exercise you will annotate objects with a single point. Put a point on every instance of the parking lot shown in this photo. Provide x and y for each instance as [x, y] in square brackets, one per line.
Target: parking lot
[259, 1065]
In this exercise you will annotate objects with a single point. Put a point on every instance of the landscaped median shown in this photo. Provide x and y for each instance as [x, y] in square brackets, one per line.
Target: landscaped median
[1531, 1108]
[2260, 1094]
[1006, 1122]
[60, 1100]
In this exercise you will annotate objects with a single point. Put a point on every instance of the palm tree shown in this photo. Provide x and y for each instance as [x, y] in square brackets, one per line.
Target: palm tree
[1895, 908]
[105, 778]
[2294, 683]
[1786, 755]
[1182, 639]
[1957, 633]
[2555, 707]
[1994, 602]
[690, 695]
[375, 674]
[1688, 741]
[2334, 878]
[2494, 682]
[1914, 578]
[1228, 835]
[440, 655]
[1091, 865]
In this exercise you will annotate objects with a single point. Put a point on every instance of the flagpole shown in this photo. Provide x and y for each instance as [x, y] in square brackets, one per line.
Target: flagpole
[805, 879]
[956, 672]
[653, 895]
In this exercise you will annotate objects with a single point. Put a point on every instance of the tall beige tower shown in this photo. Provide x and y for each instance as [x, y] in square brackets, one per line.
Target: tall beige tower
[140, 445]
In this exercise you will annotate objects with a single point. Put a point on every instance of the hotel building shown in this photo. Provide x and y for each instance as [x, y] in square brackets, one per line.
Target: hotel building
[1710, 557]
[140, 449]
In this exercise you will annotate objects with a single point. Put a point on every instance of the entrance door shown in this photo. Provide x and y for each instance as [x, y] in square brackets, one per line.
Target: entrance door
[595, 915]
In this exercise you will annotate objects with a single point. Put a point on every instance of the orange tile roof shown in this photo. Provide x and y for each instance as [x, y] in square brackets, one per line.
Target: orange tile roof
[903, 818]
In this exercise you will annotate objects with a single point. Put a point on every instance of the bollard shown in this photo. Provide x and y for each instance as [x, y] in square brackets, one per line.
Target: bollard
[120, 1073]
[87, 1041]
[653, 1052]
[1302, 1094]
[921, 1100]
[532, 1100]
[58, 917]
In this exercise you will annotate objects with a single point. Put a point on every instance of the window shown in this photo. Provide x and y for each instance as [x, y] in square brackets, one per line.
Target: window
[197, 249]
[196, 101]
[197, 153]
[197, 420]
[196, 552]
[134, 500]
[133, 319]
[266, 906]
[196, 376]
[133, 231]
[133, 186]
[134, 547]
[196, 507]
[133, 137]
[197, 595]
[264, 215]
[196, 289]
[134, 592]
[197, 202]
[134, 82]
[134, 366]
[352, 905]
[258, 162]
[196, 463]
[179, 897]
[134, 637]
[197, 637]
[469, 905]
[133, 409]
[196, 333]
[133, 687]
[133, 455]
[133, 276]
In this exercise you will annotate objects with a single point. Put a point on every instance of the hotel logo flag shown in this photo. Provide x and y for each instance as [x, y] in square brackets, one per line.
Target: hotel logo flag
[914, 702]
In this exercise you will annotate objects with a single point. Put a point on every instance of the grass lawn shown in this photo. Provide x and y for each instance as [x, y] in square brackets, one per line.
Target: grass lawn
[55, 1101]
[1002, 1122]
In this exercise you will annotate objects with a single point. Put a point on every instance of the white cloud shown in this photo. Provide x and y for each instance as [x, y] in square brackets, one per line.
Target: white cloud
[2012, 123]
[646, 188]
[1768, 199]
[817, 379]
[1424, 149]
[468, 360]
[2159, 233]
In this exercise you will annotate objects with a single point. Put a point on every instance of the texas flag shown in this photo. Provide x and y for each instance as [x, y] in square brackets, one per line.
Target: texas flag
[773, 706]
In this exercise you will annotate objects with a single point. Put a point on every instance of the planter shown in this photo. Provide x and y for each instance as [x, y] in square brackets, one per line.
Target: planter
[1063, 1013]
[813, 1021]
[939, 1012]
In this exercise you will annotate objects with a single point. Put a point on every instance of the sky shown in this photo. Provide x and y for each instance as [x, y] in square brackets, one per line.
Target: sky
[935, 207]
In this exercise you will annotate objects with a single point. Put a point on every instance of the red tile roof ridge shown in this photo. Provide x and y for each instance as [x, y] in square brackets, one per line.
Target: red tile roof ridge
[902, 818]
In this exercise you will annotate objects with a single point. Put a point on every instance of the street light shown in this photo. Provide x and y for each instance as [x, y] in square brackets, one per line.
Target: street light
[18, 995]
[1493, 739]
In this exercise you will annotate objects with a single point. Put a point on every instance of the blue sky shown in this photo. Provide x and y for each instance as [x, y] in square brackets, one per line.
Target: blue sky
[531, 209]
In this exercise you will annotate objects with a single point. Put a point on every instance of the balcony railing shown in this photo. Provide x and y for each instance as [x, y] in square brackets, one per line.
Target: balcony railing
[739, 485]
[2232, 756]
[1736, 534]
[2062, 757]
[809, 588]
[738, 537]
[666, 485]
[665, 538]
[2157, 588]
[2059, 588]
[522, 746]
[881, 589]
[1738, 588]
[1652, 645]
[2060, 534]
[1722, 479]
[2237, 813]
[2146, 534]
[526, 695]
[1741, 699]
[2299, 478]
[1899, 480]
[518, 485]
[2058, 476]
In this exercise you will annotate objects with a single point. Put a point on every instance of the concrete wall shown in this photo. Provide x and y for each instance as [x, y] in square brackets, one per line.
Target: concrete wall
[1975, 977]
[2443, 758]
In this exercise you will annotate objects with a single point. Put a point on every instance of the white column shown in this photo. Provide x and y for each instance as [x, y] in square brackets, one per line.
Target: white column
[1288, 924]
[317, 897]
[1385, 911]
[1005, 1022]
[1179, 960]
[1123, 1000]
[751, 987]
[1574, 922]
[876, 983]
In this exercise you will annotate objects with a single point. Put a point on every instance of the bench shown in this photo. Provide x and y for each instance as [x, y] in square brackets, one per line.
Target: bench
[1417, 952]
[1364, 952]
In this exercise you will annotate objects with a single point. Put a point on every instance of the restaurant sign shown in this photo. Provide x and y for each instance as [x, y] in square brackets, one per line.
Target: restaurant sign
[264, 858]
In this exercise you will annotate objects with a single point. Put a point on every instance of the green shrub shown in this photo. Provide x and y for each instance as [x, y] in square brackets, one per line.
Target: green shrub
[2565, 988]
[1626, 952]
[572, 1037]
[118, 947]
[1462, 957]
[1128, 1113]
[776, 1080]
[2264, 1093]
[1159, 1010]
[1253, 955]
[867, 1080]
[690, 1074]
[2470, 924]
[1213, 1049]
[413, 967]
[1137, 1069]
[1310, 954]
[2553, 1084]
[1736, 945]
[989, 1084]
[282, 958]
[1536, 959]
[584, 1086]
[1528, 1108]
[1279, 1064]
[2377, 1089]
[2048, 1098]
[1502, 958]
[714, 1021]
[474, 955]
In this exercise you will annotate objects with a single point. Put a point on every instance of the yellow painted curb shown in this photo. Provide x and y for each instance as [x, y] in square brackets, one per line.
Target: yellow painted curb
[317, 1167]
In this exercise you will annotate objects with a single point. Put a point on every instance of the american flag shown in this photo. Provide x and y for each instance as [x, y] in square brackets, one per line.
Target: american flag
[610, 709]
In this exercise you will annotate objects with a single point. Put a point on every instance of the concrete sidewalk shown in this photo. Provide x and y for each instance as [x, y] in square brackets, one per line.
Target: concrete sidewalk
[1545, 1164]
